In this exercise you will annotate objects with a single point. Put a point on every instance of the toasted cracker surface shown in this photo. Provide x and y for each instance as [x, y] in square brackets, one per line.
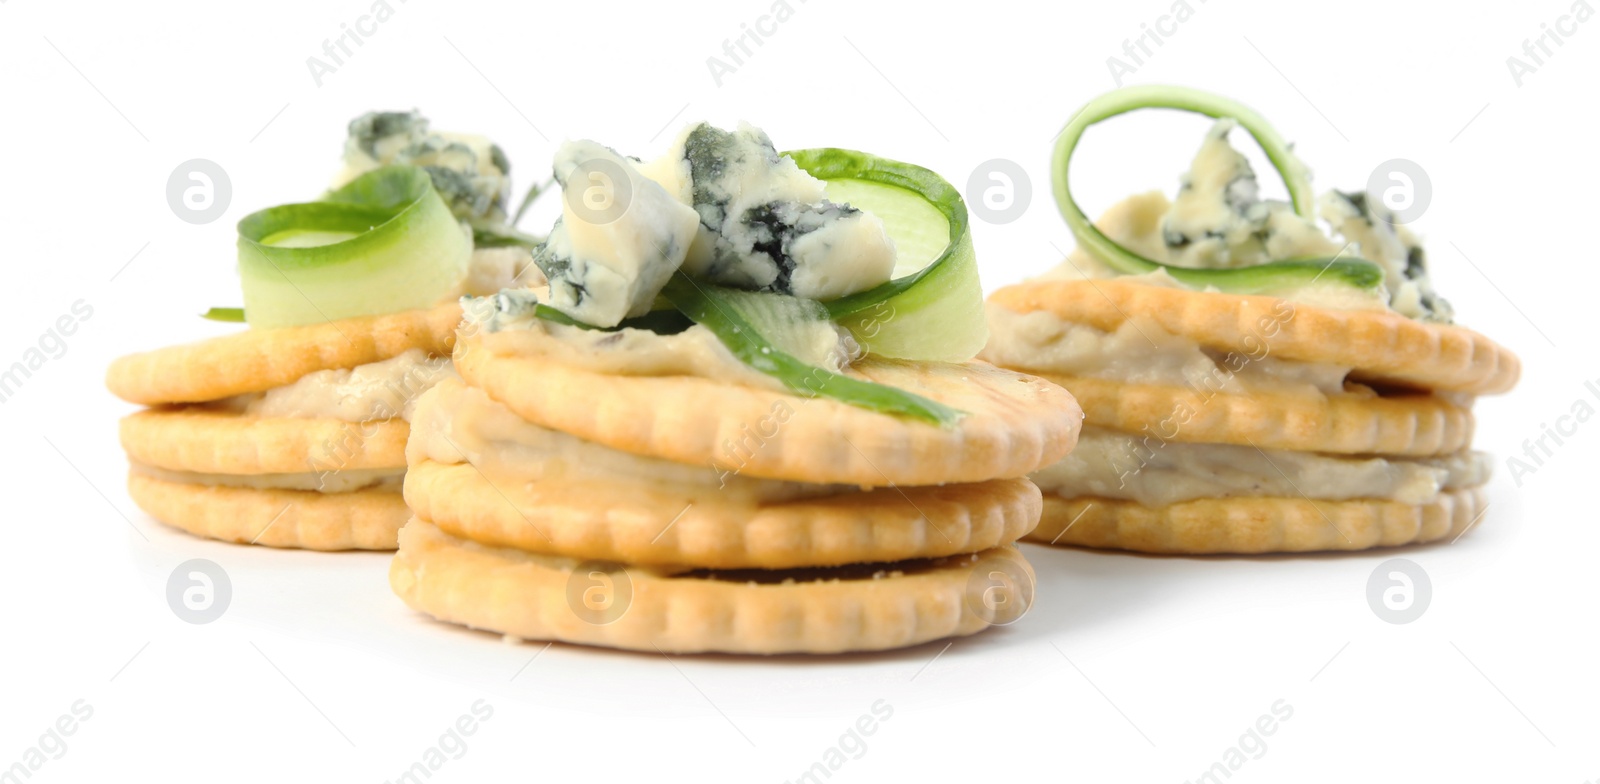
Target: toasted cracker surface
[1380, 345]
[259, 359]
[534, 597]
[360, 520]
[1254, 525]
[641, 525]
[1015, 423]
[217, 442]
[1360, 422]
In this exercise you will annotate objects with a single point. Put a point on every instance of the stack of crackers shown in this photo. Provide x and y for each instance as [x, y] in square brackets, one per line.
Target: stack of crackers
[557, 499]
[1224, 423]
[291, 437]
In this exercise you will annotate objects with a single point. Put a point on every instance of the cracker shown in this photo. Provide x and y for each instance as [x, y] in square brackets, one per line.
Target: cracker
[1380, 345]
[1014, 423]
[360, 520]
[1362, 423]
[217, 442]
[537, 597]
[260, 359]
[640, 525]
[1254, 525]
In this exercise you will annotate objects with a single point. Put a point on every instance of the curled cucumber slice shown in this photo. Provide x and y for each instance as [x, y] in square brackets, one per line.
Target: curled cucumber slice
[932, 309]
[1260, 279]
[384, 242]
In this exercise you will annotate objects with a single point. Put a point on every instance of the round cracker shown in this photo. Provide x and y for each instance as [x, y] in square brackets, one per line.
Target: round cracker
[1254, 525]
[219, 442]
[644, 526]
[260, 359]
[359, 520]
[1406, 424]
[1014, 423]
[533, 597]
[1379, 345]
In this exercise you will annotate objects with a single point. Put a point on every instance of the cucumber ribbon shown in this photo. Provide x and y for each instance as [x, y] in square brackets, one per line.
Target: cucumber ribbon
[1258, 279]
[936, 311]
[717, 309]
[384, 242]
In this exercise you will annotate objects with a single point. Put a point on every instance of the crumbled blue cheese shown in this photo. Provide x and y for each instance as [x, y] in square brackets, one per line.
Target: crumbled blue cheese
[470, 172]
[509, 309]
[608, 262]
[1218, 220]
[1376, 237]
[765, 225]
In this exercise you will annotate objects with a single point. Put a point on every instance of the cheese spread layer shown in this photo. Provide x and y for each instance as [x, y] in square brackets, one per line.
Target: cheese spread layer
[1146, 470]
[365, 393]
[455, 423]
[1140, 352]
[504, 324]
[345, 481]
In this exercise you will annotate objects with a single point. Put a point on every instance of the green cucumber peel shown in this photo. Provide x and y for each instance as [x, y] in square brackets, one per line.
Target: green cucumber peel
[499, 235]
[711, 307]
[402, 249]
[229, 315]
[664, 321]
[934, 312]
[831, 163]
[1259, 279]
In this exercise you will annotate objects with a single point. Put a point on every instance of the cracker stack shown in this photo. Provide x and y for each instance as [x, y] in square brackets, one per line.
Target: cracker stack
[201, 461]
[1208, 430]
[680, 513]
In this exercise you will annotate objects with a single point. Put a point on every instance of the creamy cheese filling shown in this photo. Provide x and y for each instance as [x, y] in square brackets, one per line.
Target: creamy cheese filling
[641, 352]
[365, 393]
[345, 481]
[455, 423]
[1140, 352]
[1113, 464]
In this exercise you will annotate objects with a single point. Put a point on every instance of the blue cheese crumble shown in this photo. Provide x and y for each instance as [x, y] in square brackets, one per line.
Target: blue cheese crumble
[470, 172]
[766, 225]
[606, 263]
[1218, 220]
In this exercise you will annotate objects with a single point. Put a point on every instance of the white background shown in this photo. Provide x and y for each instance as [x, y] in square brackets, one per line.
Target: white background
[1129, 669]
